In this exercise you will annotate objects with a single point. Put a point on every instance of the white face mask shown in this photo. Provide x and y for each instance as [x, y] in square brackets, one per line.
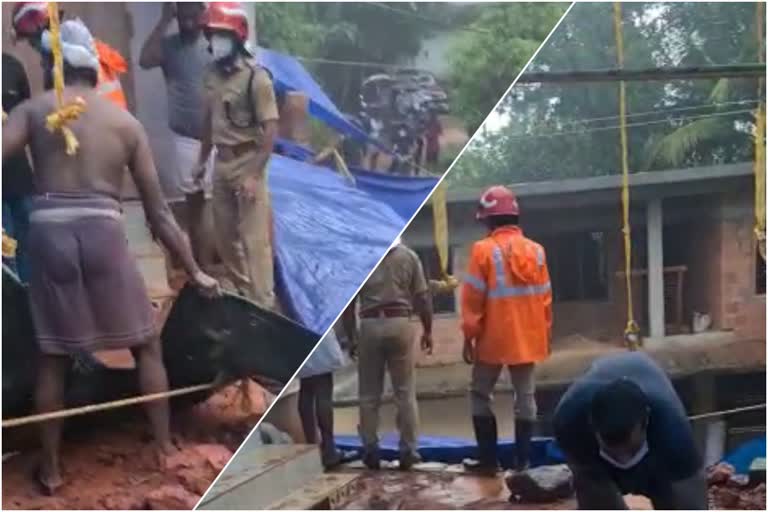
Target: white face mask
[221, 46]
[634, 461]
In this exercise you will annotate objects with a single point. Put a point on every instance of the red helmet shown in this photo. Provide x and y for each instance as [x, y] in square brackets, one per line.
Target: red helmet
[497, 200]
[228, 16]
[29, 18]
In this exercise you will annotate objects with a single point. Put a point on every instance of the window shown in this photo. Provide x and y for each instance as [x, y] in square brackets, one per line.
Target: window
[577, 266]
[442, 302]
[759, 274]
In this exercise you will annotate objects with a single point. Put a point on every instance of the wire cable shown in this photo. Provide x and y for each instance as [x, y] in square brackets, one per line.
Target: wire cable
[664, 111]
[629, 125]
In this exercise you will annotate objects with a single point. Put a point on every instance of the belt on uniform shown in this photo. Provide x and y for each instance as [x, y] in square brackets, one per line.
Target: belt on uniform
[385, 313]
[236, 151]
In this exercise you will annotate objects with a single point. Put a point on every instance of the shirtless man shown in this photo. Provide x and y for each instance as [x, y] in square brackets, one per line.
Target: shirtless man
[86, 292]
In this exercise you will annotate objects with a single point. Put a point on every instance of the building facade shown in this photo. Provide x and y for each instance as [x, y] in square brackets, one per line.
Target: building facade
[693, 247]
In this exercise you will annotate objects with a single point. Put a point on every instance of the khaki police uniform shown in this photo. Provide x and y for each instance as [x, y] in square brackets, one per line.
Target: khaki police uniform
[243, 226]
[388, 341]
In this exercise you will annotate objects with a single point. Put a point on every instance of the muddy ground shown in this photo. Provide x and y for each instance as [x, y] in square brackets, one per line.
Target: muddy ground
[109, 464]
[428, 490]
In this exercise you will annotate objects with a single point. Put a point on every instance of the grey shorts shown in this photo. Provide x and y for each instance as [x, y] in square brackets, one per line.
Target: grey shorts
[85, 289]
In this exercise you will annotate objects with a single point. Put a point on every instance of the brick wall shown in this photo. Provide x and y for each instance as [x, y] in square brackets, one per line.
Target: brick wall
[720, 281]
[600, 320]
[742, 309]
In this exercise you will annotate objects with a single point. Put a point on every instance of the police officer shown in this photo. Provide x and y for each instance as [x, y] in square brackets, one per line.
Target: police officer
[395, 290]
[241, 123]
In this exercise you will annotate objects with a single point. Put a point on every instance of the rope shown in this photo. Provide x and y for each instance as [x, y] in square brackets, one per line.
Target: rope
[726, 412]
[64, 113]
[447, 283]
[632, 330]
[9, 246]
[760, 141]
[105, 406]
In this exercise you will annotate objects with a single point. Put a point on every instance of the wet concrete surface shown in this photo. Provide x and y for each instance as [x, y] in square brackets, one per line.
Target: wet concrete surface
[446, 490]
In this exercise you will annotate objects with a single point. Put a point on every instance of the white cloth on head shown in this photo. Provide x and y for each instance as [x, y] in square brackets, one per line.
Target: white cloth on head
[77, 46]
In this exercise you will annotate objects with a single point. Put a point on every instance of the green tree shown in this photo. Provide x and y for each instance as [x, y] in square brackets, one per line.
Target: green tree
[492, 52]
[570, 130]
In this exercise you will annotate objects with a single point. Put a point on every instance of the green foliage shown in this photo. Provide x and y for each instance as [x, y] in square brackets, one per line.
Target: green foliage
[494, 42]
[348, 31]
[555, 131]
[486, 60]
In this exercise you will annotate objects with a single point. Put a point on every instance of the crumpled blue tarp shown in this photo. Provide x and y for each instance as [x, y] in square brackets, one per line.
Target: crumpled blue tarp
[404, 194]
[743, 455]
[289, 75]
[452, 450]
[287, 147]
[328, 237]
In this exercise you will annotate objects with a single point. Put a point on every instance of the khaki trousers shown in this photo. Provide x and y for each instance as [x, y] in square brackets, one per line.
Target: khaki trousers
[242, 230]
[387, 344]
[484, 377]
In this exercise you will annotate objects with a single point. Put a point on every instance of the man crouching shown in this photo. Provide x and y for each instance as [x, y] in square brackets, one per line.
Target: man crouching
[86, 292]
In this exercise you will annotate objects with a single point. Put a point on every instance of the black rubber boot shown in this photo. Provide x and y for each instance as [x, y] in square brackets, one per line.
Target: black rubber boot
[486, 434]
[523, 435]
[371, 458]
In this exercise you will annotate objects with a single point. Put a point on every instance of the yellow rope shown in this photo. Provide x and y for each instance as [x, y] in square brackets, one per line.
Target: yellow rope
[632, 330]
[77, 411]
[64, 113]
[9, 246]
[760, 140]
[447, 283]
[341, 165]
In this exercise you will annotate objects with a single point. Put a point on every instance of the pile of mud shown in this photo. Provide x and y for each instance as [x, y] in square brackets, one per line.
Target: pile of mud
[113, 466]
[727, 490]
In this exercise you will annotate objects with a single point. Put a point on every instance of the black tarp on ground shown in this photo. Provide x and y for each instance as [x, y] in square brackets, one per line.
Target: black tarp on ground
[202, 338]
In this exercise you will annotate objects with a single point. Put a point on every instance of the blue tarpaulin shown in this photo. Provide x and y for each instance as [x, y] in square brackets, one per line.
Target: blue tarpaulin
[328, 237]
[451, 450]
[289, 148]
[744, 454]
[404, 194]
[289, 75]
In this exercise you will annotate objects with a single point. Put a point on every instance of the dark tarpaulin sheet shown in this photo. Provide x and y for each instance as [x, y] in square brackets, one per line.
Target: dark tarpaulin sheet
[404, 194]
[328, 237]
[294, 150]
[451, 450]
[288, 74]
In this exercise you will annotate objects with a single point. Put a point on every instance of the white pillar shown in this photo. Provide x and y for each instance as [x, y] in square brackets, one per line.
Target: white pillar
[655, 229]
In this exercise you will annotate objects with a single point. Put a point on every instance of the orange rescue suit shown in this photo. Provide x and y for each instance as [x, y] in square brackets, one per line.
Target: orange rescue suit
[506, 299]
[111, 66]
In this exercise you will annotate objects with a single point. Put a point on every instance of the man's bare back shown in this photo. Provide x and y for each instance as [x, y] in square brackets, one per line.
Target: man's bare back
[109, 139]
